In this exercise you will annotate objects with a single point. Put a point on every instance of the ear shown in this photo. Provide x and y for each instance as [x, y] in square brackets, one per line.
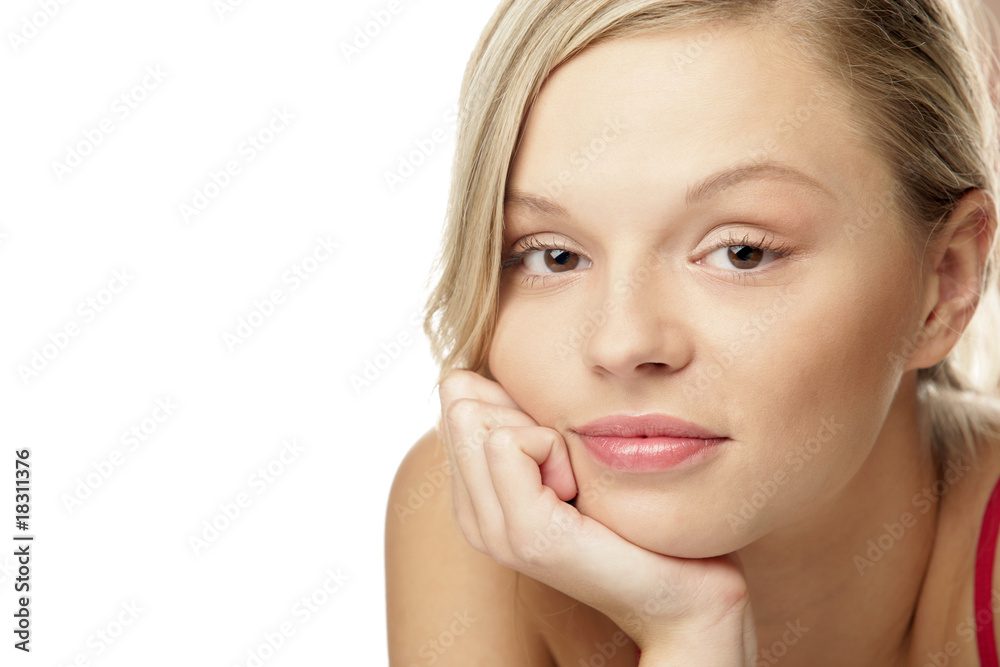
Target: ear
[953, 273]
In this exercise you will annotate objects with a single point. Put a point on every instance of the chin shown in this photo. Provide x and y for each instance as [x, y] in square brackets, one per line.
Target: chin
[654, 526]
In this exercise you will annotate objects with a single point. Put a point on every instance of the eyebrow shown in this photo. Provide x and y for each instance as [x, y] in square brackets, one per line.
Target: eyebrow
[703, 190]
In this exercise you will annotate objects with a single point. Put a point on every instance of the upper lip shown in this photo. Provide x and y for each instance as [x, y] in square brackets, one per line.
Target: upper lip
[648, 425]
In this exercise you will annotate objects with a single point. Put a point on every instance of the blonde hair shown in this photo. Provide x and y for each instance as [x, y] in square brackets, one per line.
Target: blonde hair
[922, 72]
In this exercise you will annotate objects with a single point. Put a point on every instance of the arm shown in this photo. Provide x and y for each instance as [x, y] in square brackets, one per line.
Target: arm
[713, 645]
[447, 604]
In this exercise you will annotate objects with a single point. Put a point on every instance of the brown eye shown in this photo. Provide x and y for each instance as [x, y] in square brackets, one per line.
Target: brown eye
[557, 259]
[553, 260]
[745, 256]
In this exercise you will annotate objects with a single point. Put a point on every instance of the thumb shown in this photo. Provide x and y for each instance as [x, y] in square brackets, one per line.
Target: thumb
[557, 472]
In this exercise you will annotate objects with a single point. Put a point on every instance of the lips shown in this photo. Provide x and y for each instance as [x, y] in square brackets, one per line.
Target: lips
[648, 443]
[646, 426]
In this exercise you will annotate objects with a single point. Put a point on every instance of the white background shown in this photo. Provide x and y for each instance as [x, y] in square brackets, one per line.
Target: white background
[187, 284]
[114, 518]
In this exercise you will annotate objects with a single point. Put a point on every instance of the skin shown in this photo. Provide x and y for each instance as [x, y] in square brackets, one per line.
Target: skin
[850, 317]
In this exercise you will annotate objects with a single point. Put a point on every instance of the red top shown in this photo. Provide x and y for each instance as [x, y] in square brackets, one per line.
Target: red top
[985, 557]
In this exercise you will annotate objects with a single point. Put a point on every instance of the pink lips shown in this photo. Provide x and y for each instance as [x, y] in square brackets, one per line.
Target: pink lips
[647, 443]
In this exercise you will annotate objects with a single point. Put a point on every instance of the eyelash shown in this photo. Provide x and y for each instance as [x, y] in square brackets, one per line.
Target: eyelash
[767, 244]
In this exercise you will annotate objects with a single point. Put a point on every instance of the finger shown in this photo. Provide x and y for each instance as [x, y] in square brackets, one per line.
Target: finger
[577, 554]
[468, 421]
[461, 505]
[514, 456]
[546, 450]
[458, 383]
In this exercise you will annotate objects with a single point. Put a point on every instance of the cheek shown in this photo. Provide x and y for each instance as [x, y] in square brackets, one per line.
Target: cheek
[524, 359]
[835, 350]
[813, 391]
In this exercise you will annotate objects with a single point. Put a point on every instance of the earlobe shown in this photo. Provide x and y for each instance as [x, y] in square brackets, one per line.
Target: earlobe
[954, 286]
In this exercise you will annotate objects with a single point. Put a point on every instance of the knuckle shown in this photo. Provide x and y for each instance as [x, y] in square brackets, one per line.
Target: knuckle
[492, 418]
[500, 437]
[462, 409]
[457, 382]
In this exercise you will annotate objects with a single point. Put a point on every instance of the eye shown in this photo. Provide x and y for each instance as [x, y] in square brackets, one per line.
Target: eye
[555, 260]
[745, 255]
[546, 259]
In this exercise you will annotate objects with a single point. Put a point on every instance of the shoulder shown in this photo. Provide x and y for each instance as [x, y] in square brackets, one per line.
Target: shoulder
[945, 612]
[447, 603]
[969, 486]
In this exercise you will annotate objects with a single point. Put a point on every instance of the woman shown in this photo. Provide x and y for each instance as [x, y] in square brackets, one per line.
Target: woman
[712, 392]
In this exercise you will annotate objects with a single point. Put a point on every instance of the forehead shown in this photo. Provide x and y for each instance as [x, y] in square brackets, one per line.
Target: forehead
[661, 110]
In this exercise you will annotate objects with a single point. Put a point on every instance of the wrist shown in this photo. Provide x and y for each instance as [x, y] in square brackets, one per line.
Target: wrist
[730, 642]
[685, 655]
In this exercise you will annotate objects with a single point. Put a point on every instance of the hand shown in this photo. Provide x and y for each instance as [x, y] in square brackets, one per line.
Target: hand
[510, 481]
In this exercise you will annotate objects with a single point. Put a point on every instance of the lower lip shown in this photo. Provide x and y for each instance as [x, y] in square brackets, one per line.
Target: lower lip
[649, 454]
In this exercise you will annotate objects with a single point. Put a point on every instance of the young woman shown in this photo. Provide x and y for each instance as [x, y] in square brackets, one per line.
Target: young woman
[712, 389]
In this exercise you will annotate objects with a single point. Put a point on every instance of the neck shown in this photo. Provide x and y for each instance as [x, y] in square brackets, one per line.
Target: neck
[871, 543]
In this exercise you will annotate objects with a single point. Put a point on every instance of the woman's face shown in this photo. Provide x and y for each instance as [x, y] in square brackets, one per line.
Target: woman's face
[666, 154]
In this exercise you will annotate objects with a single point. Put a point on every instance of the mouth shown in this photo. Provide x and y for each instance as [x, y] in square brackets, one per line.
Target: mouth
[648, 443]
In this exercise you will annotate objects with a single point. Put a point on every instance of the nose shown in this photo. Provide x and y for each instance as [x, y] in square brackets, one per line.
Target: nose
[638, 325]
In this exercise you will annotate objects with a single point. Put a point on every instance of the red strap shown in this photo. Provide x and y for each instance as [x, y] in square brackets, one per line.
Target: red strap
[985, 558]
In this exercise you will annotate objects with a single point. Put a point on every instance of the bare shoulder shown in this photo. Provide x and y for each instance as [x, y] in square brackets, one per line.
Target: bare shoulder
[946, 617]
[447, 604]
